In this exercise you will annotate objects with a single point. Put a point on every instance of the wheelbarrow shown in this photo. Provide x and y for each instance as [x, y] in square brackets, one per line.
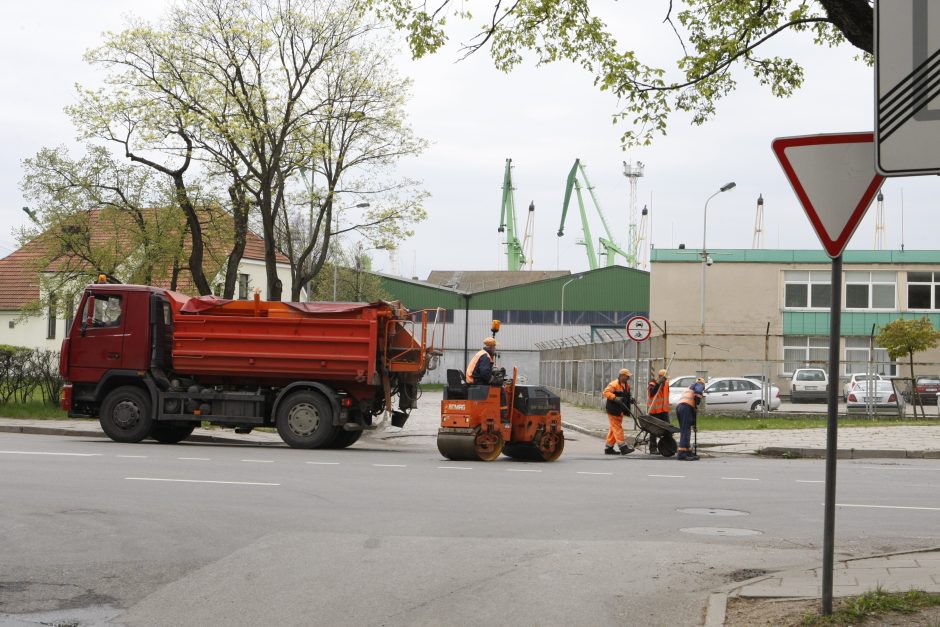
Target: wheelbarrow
[647, 426]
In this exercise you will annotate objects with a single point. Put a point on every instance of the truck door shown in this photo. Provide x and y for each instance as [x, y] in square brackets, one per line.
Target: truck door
[99, 346]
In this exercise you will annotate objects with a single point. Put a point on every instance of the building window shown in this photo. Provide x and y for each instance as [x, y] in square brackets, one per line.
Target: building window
[801, 351]
[923, 290]
[50, 322]
[870, 290]
[857, 358]
[242, 286]
[69, 314]
[807, 289]
[574, 318]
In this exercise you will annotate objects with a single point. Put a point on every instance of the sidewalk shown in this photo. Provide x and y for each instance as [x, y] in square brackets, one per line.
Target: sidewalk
[853, 442]
[898, 572]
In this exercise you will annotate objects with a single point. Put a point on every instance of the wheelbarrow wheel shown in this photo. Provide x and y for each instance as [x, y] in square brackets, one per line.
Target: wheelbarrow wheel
[667, 446]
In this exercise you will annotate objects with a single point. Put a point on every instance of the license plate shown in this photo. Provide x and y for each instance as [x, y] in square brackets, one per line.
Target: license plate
[869, 400]
[811, 387]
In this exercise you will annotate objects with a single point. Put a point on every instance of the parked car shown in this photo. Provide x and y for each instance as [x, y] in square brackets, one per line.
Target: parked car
[882, 398]
[809, 384]
[859, 382]
[757, 377]
[739, 393]
[928, 385]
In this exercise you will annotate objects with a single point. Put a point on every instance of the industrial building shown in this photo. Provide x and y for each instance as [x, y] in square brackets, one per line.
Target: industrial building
[767, 311]
[533, 307]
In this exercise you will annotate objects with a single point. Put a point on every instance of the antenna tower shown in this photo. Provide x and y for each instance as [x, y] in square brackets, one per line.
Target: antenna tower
[880, 222]
[634, 241]
[758, 240]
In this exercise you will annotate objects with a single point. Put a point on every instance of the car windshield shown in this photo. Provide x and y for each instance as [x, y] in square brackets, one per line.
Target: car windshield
[810, 375]
[928, 380]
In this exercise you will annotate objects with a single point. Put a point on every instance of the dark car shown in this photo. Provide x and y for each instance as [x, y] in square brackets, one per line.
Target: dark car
[927, 387]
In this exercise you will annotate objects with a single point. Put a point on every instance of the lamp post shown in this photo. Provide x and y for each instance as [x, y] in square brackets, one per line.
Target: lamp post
[577, 278]
[335, 231]
[707, 261]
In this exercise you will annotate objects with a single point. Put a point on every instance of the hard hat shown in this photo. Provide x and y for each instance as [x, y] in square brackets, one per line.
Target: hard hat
[700, 380]
[489, 341]
[662, 372]
[625, 372]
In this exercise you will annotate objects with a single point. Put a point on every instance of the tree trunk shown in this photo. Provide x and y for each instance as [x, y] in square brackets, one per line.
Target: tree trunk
[240, 222]
[856, 20]
[195, 231]
[270, 249]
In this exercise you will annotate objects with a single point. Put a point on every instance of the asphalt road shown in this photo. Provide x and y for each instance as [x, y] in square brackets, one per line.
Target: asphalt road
[390, 533]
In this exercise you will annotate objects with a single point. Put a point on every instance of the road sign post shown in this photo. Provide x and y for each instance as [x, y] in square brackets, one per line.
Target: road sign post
[835, 180]
[639, 330]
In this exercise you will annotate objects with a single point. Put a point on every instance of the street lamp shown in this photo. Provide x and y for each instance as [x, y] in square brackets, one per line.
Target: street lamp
[707, 261]
[577, 278]
[336, 230]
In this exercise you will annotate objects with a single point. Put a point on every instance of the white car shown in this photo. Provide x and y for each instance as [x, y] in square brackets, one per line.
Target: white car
[809, 384]
[740, 394]
[883, 398]
[860, 383]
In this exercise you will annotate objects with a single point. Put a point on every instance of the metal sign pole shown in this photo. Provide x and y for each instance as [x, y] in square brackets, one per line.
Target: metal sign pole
[829, 518]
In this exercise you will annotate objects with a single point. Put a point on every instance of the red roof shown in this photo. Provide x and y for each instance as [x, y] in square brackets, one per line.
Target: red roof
[19, 271]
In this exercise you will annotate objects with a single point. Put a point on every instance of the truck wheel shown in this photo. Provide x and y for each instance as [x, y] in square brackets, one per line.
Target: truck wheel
[125, 414]
[305, 420]
[171, 434]
[344, 439]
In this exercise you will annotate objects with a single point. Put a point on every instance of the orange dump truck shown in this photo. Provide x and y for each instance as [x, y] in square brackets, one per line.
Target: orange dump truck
[154, 363]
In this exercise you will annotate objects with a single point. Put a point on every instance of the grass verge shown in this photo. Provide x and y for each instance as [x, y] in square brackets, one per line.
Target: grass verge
[856, 610]
[36, 410]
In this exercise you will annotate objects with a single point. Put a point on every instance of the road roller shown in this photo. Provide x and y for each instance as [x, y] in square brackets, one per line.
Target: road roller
[481, 422]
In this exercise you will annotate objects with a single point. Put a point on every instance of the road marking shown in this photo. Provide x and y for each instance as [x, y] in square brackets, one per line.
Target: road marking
[810, 481]
[198, 459]
[455, 467]
[390, 465]
[738, 479]
[927, 509]
[594, 473]
[324, 463]
[133, 456]
[668, 476]
[197, 481]
[522, 470]
[46, 453]
[259, 461]
[898, 468]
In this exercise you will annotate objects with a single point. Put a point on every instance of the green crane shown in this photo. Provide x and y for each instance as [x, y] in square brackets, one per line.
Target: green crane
[608, 247]
[515, 251]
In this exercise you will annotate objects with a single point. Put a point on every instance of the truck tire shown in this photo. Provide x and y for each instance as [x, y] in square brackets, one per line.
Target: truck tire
[344, 439]
[126, 414]
[171, 434]
[305, 420]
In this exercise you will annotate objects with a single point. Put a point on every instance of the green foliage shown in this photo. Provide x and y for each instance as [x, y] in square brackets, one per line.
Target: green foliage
[714, 35]
[27, 373]
[903, 338]
[856, 610]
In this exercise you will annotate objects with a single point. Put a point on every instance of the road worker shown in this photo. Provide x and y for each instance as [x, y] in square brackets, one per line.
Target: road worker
[658, 404]
[480, 368]
[687, 411]
[618, 398]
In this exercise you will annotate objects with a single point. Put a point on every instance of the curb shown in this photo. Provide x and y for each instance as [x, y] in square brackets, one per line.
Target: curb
[717, 607]
[851, 453]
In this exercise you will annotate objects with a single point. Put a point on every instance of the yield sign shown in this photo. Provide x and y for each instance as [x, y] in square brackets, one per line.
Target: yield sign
[834, 177]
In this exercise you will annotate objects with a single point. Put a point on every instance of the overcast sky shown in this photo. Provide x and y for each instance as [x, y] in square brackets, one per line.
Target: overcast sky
[543, 118]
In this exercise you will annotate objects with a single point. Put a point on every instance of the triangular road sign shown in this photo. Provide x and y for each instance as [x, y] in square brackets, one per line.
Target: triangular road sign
[834, 177]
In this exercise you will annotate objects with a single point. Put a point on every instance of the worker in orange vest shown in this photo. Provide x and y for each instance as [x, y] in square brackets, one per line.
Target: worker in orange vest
[480, 368]
[618, 398]
[658, 404]
[687, 410]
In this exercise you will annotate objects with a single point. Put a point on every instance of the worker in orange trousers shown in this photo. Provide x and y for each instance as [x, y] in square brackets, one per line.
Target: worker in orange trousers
[617, 395]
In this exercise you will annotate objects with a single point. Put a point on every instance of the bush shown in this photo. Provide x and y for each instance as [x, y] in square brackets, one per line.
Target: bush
[24, 372]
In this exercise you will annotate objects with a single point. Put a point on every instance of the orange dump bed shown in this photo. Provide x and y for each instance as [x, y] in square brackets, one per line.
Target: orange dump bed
[284, 341]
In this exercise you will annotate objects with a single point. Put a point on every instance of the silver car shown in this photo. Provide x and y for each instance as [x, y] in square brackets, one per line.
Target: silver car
[881, 397]
[740, 394]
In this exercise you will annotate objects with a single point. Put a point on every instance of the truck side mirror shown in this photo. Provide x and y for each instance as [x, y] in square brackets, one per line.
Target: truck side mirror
[90, 308]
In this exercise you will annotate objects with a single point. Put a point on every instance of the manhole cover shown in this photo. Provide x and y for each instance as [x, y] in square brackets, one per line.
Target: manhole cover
[712, 511]
[720, 531]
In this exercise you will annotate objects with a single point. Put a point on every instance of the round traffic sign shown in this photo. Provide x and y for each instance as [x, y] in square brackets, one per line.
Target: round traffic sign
[639, 328]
